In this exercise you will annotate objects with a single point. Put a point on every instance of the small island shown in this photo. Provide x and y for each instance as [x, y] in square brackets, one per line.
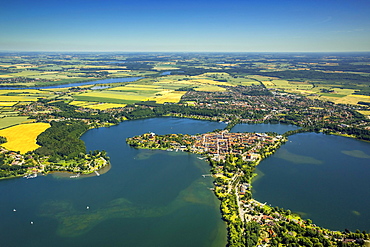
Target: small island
[233, 158]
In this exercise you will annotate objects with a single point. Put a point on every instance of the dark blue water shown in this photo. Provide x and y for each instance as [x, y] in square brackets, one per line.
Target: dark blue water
[324, 178]
[263, 128]
[148, 198]
[159, 198]
[105, 81]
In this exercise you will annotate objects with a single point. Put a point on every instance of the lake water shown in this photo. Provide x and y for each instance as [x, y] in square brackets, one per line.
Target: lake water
[77, 84]
[166, 73]
[148, 198]
[324, 178]
[159, 198]
[263, 128]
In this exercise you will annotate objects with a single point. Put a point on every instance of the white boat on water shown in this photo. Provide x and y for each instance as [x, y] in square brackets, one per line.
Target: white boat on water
[33, 175]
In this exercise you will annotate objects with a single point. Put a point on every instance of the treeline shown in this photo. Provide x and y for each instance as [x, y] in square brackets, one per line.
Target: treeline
[317, 75]
[302, 130]
[162, 110]
[303, 236]
[346, 67]
[61, 140]
[138, 66]
[167, 109]
[2, 139]
[191, 71]
[258, 93]
[364, 103]
[13, 171]
[362, 134]
[70, 111]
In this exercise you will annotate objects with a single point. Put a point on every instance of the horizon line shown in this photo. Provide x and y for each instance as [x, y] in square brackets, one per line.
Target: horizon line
[71, 51]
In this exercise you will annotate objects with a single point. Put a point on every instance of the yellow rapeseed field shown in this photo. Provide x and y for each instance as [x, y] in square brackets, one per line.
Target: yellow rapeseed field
[78, 103]
[9, 103]
[17, 98]
[23, 137]
[22, 91]
[366, 113]
[104, 106]
[349, 99]
[169, 96]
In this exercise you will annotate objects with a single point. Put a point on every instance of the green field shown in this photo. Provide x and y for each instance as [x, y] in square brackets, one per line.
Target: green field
[161, 89]
[105, 100]
[96, 105]
[6, 122]
[210, 73]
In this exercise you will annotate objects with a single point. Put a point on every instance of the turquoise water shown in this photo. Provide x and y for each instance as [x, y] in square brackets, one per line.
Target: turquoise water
[324, 178]
[148, 198]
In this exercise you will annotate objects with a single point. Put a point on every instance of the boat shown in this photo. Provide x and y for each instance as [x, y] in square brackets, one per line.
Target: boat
[33, 175]
[75, 176]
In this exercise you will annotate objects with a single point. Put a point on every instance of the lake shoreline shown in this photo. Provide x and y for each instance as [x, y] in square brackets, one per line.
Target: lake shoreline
[72, 84]
[251, 206]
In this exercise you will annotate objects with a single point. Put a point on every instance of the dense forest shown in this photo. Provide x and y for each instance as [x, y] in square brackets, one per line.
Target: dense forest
[69, 111]
[61, 140]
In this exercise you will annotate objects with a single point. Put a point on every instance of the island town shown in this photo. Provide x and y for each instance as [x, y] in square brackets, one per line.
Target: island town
[233, 158]
[207, 93]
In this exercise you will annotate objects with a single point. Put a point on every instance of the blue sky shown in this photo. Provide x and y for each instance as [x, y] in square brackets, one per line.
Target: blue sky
[185, 26]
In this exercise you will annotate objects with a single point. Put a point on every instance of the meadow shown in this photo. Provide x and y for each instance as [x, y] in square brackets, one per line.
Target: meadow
[22, 95]
[94, 105]
[117, 97]
[161, 89]
[189, 73]
[11, 121]
[347, 99]
[314, 89]
[22, 137]
[289, 86]
[131, 94]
